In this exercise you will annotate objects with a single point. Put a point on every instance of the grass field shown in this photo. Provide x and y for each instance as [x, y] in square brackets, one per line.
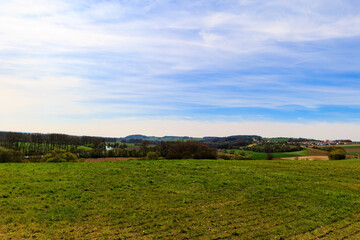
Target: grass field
[353, 150]
[188, 199]
[262, 156]
[277, 139]
[85, 148]
[351, 147]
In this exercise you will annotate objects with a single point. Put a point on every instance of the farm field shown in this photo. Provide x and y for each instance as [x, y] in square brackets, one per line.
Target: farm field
[352, 150]
[352, 147]
[181, 199]
[277, 139]
[262, 156]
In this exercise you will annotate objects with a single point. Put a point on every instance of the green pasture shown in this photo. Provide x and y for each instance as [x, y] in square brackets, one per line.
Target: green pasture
[85, 148]
[44, 146]
[131, 144]
[341, 146]
[351, 147]
[262, 156]
[277, 139]
[180, 199]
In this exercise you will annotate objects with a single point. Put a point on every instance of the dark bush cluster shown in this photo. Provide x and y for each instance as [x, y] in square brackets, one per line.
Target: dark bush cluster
[337, 153]
[59, 156]
[230, 142]
[8, 155]
[186, 150]
[274, 147]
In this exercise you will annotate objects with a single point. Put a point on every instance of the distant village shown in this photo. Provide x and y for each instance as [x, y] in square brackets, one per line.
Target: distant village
[308, 142]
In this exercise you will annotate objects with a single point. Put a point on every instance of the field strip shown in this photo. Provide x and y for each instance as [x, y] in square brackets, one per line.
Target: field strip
[348, 228]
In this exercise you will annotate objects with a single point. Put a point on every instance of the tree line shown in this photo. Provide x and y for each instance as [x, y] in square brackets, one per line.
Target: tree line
[35, 147]
[39, 144]
[274, 147]
[164, 149]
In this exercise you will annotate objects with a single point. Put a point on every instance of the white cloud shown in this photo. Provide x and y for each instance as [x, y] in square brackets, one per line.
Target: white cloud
[71, 58]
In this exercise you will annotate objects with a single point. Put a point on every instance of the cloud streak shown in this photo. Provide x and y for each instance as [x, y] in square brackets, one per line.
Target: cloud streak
[174, 59]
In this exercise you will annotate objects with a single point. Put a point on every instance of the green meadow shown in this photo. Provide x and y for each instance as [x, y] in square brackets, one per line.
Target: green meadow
[351, 147]
[262, 156]
[180, 199]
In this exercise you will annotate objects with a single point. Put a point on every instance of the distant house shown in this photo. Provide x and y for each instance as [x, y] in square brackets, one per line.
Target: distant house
[108, 148]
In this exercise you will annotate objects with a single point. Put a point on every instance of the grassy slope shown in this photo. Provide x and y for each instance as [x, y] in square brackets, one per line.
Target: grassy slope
[180, 199]
[277, 139]
[43, 146]
[261, 156]
[347, 147]
[350, 147]
[85, 148]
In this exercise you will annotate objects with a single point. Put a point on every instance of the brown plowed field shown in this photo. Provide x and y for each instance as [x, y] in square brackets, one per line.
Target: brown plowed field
[317, 152]
[354, 150]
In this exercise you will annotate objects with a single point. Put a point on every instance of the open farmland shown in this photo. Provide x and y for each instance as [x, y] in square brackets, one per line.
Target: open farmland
[351, 150]
[262, 155]
[182, 199]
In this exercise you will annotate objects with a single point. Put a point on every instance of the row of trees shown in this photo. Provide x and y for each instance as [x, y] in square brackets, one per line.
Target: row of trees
[38, 144]
[273, 147]
[165, 149]
[231, 142]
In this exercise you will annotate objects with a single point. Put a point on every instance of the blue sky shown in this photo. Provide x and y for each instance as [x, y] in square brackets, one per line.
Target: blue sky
[161, 67]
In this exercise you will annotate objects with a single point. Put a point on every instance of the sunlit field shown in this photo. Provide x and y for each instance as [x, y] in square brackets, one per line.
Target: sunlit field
[181, 199]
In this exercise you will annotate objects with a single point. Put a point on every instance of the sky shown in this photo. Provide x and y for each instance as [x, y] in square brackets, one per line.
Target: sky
[181, 67]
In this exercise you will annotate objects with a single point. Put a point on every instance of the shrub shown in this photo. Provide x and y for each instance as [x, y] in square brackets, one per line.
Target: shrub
[225, 157]
[243, 156]
[8, 155]
[337, 154]
[152, 156]
[59, 156]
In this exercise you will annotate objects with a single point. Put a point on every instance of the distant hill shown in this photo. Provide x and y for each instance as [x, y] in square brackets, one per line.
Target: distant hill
[139, 137]
[231, 141]
[136, 136]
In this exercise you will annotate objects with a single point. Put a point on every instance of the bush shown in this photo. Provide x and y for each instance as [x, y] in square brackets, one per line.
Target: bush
[243, 156]
[225, 157]
[152, 156]
[59, 156]
[337, 154]
[8, 155]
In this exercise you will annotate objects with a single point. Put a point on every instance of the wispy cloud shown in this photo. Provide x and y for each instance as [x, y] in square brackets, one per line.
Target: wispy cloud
[109, 59]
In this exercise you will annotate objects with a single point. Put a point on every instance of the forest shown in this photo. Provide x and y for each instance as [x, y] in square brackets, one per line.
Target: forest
[35, 147]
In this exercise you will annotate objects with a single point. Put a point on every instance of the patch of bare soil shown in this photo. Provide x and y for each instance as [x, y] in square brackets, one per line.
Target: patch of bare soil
[308, 158]
[317, 152]
[354, 150]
